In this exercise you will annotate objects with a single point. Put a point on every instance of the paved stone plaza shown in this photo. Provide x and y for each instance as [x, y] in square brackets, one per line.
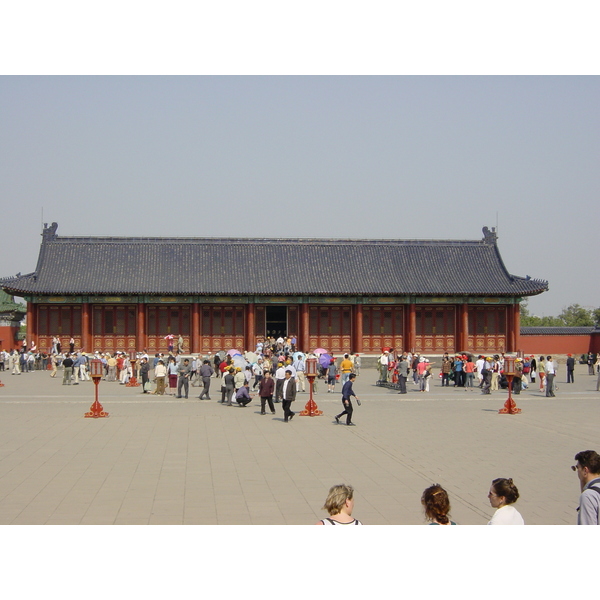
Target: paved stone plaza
[159, 460]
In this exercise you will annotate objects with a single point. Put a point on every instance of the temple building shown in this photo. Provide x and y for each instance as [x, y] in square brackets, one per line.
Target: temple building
[11, 315]
[122, 293]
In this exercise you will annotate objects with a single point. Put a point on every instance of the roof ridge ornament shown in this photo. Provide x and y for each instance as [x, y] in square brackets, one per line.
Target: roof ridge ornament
[490, 237]
[49, 233]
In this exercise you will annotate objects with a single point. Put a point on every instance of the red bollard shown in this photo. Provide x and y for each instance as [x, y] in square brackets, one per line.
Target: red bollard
[311, 409]
[510, 407]
[133, 382]
[96, 409]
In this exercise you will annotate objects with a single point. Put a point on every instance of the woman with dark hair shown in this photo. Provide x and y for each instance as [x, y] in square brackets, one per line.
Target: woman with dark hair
[541, 369]
[172, 372]
[436, 504]
[502, 495]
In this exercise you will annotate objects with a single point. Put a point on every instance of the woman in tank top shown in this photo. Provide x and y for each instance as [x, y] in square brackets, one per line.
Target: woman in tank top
[339, 505]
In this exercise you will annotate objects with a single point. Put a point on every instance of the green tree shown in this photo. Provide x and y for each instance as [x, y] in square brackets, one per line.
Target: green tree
[529, 320]
[596, 317]
[576, 316]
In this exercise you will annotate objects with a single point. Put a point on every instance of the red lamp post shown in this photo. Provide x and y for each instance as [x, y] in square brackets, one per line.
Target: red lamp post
[510, 407]
[96, 371]
[311, 409]
[133, 382]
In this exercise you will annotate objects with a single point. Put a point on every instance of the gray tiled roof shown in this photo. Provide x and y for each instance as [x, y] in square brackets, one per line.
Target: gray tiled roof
[558, 330]
[209, 266]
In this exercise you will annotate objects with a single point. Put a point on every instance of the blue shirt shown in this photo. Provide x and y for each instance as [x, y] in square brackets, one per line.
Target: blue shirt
[347, 390]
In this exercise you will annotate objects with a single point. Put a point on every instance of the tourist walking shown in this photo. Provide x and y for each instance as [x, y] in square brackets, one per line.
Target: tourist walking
[266, 388]
[288, 396]
[206, 372]
[347, 393]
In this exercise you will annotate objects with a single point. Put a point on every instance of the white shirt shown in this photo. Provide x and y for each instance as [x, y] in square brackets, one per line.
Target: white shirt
[507, 515]
[550, 370]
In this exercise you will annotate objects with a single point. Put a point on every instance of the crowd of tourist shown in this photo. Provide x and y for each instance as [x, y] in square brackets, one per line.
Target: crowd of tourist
[469, 372]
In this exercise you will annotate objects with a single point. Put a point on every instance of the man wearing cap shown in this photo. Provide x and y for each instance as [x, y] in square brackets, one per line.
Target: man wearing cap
[288, 395]
[383, 365]
[83, 373]
[570, 369]
[300, 367]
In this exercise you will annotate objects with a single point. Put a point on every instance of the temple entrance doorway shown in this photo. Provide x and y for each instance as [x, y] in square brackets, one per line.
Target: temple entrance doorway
[276, 321]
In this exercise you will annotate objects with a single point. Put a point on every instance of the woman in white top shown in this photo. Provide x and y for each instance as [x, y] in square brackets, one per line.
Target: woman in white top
[502, 495]
[160, 372]
[339, 504]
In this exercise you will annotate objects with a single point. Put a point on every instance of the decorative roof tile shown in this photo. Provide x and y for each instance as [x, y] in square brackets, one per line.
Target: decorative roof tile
[559, 330]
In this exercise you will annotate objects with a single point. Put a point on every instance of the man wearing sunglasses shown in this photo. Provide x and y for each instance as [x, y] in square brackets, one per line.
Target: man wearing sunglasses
[588, 471]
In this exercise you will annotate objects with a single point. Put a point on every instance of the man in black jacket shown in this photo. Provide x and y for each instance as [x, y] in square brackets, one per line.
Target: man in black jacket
[144, 370]
[68, 370]
[288, 395]
[347, 392]
[570, 369]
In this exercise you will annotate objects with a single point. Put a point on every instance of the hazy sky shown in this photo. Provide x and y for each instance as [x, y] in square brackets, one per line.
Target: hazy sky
[431, 157]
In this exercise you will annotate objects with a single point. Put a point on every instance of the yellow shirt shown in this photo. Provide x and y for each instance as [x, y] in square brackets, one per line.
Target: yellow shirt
[346, 366]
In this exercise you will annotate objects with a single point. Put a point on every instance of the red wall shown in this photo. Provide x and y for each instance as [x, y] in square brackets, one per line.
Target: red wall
[559, 344]
[8, 335]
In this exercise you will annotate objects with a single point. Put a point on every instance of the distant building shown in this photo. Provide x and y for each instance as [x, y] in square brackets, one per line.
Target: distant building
[119, 293]
[11, 315]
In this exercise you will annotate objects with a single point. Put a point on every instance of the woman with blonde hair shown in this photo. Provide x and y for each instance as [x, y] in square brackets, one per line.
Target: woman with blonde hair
[339, 504]
[436, 504]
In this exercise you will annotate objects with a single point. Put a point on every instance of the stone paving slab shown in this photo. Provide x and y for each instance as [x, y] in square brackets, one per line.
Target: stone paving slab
[161, 460]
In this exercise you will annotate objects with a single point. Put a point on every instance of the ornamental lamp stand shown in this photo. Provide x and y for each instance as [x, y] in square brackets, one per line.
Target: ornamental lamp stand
[510, 407]
[133, 382]
[96, 371]
[311, 409]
